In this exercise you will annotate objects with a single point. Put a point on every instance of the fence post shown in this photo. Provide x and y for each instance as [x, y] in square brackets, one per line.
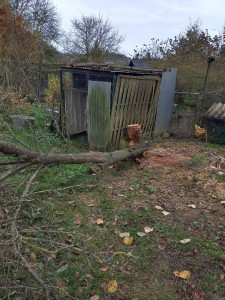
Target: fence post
[201, 98]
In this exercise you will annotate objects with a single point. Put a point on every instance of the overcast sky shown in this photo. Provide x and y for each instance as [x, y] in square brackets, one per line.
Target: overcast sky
[141, 20]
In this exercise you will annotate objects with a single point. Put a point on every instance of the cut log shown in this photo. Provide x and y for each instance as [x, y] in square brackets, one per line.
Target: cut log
[106, 158]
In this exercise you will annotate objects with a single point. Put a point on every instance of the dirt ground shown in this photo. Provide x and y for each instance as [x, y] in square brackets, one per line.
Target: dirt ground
[181, 179]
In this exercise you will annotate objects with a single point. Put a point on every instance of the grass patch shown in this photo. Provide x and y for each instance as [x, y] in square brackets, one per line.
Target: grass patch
[195, 160]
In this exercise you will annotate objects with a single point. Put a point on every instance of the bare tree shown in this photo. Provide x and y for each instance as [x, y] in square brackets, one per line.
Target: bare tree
[93, 34]
[41, 16]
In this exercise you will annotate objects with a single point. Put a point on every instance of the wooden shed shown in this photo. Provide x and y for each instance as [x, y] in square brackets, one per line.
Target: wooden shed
[103, 101]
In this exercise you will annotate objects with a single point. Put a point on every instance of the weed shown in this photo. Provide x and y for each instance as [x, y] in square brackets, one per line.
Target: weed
[214, 146]
[195, 160]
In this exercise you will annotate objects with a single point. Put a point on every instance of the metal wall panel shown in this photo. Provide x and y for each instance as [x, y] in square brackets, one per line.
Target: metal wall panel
[75, 111]
[98, 113]
[165, 103]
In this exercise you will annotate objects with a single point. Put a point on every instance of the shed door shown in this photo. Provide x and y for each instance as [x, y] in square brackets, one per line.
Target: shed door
[98, 119]
[75, 108]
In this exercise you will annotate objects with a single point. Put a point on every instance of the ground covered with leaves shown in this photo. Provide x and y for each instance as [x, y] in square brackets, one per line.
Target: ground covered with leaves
[146, 229]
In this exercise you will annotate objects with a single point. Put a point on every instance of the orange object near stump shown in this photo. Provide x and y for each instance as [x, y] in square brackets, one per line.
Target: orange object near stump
[134, 132]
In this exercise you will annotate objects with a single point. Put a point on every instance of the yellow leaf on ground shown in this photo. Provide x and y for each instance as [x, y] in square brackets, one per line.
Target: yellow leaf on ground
[176, 273]
[192, 206]
[128, 240]
[158, 207]
[124, 234]
[182, 274]
[185, 241]
[141, 234]
[99, 221]
[148, 229]
[112, 286]
[165, 213]
[185, 274]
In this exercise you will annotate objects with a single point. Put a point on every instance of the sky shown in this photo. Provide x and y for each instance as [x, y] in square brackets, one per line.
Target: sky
[141, 20]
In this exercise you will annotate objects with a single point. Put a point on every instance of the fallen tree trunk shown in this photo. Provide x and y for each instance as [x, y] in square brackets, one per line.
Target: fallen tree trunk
[106, 158]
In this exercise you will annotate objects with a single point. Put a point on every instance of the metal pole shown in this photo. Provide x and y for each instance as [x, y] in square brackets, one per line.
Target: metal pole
[201, 98]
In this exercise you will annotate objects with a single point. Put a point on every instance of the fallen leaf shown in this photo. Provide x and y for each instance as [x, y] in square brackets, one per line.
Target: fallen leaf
[185, 241]
[104, 269]
[70, 202]
[185, 274]
[145, 153]
[182, 274]
[222, 202]
[77, 222]
[80, 289]
[158, 207]
[104, 286]
[112, 286]
[95, 297]
[63, 268]
[33, 256]
[165, 213]
[141, 234]
[89, 276]
[161, 247]
[124, 234]
[131, 188]
[111, 166]
[148, 229]
[192, 205]
[222, 277]
[61, 229]
[53, 256]
[76, 274]
[99, 221]
[128, 240]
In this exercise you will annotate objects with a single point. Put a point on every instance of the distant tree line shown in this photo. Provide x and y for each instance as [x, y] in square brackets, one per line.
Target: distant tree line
[193, 41]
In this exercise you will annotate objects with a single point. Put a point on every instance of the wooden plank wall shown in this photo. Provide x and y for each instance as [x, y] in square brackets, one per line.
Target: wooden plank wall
[135, 102]
[75, 111]
[98, 113]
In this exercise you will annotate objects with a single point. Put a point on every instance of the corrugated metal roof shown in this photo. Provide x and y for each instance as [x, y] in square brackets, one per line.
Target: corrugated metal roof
[216, 111]
[111, 69]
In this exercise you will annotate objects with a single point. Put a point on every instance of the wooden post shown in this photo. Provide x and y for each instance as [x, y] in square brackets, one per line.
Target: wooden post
[201, 98]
